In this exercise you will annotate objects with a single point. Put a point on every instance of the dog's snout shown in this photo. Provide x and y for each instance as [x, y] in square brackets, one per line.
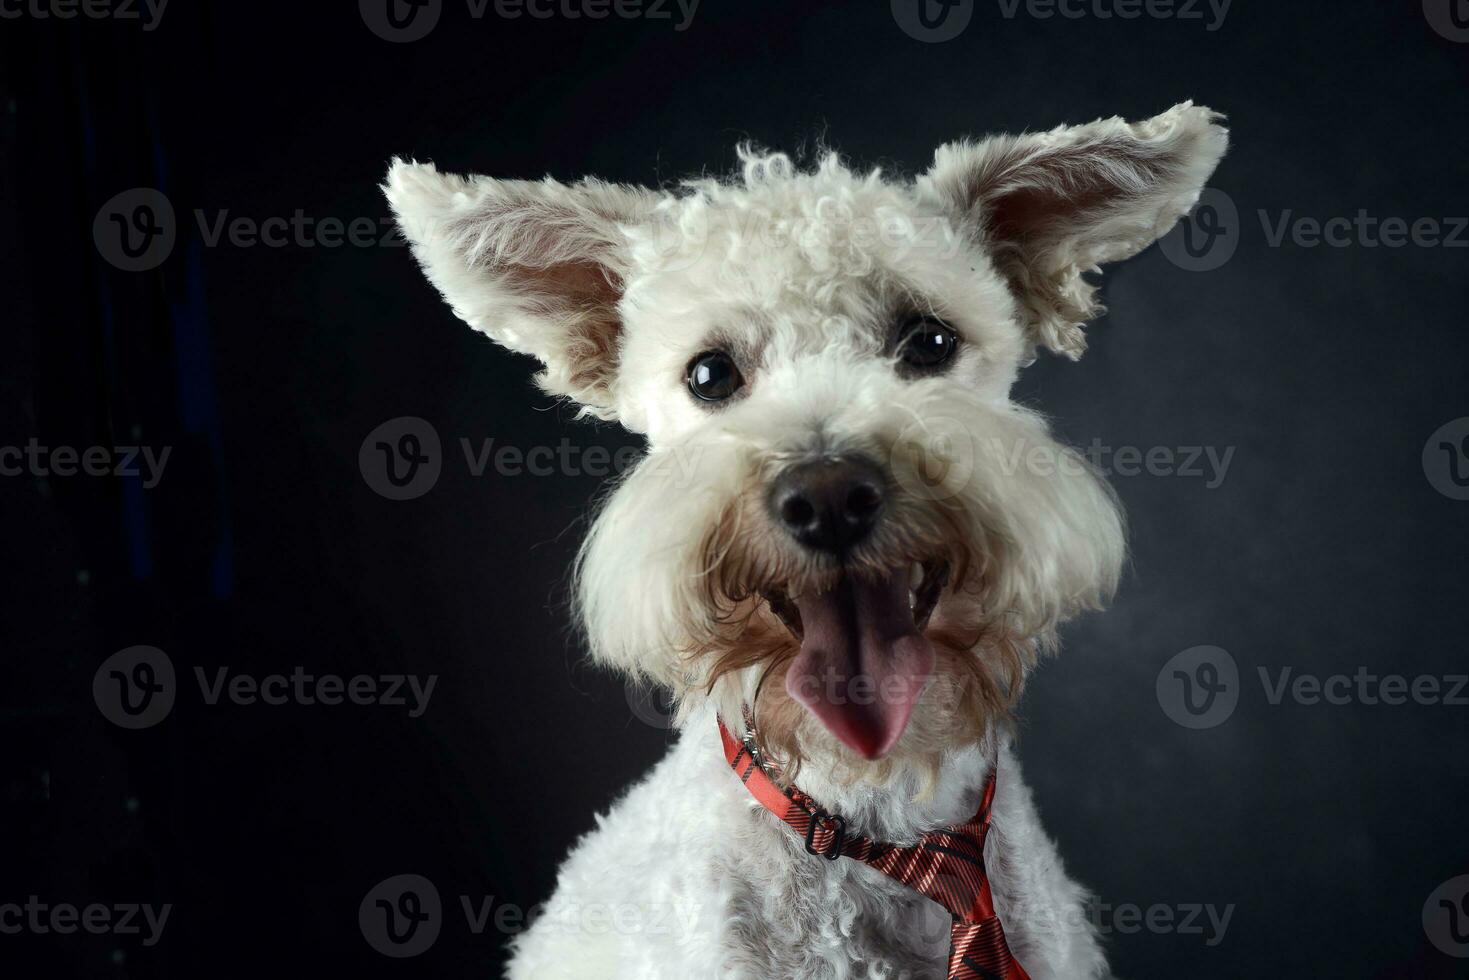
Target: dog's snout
[829, 504]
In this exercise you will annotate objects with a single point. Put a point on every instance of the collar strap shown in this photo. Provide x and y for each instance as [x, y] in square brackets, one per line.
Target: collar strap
[946, 865]
[826, 833]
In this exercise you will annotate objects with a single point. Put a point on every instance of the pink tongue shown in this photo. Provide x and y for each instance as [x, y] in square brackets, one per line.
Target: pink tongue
[862, 665]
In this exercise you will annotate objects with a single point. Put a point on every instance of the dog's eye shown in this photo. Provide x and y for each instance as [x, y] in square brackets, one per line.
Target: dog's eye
[925, 342]
[713, 376]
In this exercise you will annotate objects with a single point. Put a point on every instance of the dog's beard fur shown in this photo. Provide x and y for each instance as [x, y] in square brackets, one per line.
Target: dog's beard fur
[1022, 552]
[979, 664]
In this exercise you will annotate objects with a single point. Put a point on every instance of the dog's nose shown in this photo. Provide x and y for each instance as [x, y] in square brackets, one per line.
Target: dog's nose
[829, 504]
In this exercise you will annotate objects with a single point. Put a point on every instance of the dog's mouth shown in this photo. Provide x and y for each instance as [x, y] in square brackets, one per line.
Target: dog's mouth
[864, 659]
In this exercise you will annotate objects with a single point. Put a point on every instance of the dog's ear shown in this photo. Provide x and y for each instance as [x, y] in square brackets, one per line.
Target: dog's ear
[537, 266]
[1052, 206]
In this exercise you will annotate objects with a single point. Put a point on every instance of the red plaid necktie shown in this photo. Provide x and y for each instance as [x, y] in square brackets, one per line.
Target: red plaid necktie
[946, 865]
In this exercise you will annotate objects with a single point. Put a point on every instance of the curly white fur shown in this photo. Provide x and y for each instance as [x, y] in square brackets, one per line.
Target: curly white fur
[800, 276]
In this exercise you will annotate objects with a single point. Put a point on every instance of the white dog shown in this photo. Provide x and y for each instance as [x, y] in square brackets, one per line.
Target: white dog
[846, 544]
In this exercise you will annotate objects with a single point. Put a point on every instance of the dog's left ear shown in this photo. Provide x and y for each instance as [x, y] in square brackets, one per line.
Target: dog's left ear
[1052, 206]
[537, 266]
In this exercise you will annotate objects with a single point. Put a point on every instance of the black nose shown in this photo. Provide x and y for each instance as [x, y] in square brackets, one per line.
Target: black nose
[829, 504]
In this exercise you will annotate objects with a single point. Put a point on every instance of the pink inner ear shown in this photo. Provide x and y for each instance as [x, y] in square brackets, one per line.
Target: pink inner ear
[563, 280]
[1019, 214]
[585, 293]
[1066, 184]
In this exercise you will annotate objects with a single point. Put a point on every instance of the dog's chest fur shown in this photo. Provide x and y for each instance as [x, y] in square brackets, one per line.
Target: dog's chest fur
[689, 877]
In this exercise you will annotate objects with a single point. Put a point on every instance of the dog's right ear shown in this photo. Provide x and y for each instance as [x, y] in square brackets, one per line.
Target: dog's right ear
[537, 266]
[1053, 206]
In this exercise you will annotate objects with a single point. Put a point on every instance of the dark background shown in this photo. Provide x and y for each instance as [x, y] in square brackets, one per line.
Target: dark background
[1325, 549]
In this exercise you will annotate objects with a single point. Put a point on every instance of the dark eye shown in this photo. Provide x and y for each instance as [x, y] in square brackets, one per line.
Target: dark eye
[713, 376]
[925, 342]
